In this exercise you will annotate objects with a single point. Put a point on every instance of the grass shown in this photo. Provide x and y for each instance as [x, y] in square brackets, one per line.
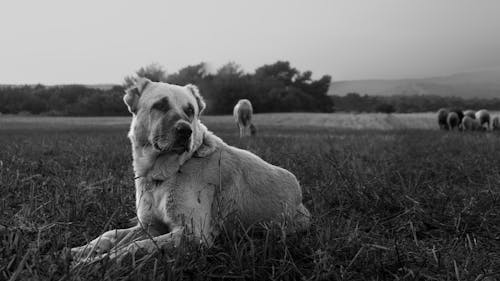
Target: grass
[387, 203]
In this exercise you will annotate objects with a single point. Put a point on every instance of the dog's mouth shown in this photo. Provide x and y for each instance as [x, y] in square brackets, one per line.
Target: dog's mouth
[178, 147]
[181, 144]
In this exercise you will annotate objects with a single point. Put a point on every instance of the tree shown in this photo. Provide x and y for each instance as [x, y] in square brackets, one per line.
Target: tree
[280, 70]
[154, 72]
[191, 74]
[385, 108]
[227, 86]
[230, 69]
[304, 77]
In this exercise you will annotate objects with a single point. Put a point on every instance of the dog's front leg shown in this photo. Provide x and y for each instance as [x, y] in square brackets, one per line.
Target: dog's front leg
[105, 242]
[149, 245]
[166, 242]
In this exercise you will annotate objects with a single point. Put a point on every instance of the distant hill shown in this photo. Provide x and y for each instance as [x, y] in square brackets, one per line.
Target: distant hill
[482, 84]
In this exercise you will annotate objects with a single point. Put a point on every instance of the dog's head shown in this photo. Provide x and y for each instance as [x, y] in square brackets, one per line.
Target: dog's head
[165, 116]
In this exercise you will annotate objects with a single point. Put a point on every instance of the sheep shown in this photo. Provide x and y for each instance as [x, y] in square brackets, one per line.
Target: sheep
[243, 116]
[471, 113]
[484, 118]
[470, 124]
[495, 124]
[442, 118]
[453, 120]
[459, 113]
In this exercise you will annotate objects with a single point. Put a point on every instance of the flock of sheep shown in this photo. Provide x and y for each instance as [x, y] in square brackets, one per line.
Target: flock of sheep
[448, 119]
[468, 120]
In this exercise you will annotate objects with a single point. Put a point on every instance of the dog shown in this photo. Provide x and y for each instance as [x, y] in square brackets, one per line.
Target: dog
[242, 113]
[189, 182]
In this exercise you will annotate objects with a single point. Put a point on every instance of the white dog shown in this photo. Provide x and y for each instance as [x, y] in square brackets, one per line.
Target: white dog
[188, 181]
[242, 113]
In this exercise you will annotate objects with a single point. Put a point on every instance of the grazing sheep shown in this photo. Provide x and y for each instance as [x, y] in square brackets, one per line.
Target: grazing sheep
[453, 120]
[471, 113]
[243, 116]
[442, 121]
[470, 124]
[495, 123]
[459, 113]
[484, 117]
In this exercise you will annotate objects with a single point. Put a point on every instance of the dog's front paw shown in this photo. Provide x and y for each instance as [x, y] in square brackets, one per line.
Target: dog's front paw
[92, 249]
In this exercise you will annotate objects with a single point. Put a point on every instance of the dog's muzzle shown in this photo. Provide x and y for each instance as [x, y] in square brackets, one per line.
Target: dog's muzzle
[183, 133]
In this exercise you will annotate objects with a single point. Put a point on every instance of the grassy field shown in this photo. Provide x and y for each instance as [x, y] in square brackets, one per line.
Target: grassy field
[392, 198]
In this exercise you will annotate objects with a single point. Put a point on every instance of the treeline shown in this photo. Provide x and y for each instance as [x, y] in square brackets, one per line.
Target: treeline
[68, 100]
[354, 102]
[276, 87]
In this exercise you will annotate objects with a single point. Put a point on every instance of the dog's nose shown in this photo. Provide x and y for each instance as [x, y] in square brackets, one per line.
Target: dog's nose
[184, 131]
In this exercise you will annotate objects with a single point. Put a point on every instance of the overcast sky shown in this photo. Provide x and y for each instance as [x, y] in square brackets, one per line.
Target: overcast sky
[101, 41]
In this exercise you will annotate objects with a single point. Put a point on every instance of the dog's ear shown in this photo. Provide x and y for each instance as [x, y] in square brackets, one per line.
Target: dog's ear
[199, 99]
[132, 94]
[131, 98]
[142, 83]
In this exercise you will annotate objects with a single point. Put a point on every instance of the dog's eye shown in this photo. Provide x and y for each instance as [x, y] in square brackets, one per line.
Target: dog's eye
[189, 110]
[161, 105]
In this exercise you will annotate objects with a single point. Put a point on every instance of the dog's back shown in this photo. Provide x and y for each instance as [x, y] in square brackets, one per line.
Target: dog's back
[251, 189]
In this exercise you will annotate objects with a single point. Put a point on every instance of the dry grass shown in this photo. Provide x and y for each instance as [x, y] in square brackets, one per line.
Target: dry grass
[377, 121]
[401, 204]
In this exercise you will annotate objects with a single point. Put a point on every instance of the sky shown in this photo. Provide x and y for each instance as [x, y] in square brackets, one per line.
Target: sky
[101, 41]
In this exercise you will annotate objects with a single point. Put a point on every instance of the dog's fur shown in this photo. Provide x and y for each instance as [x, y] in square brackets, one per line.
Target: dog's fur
[195, 188]
[242, 113]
